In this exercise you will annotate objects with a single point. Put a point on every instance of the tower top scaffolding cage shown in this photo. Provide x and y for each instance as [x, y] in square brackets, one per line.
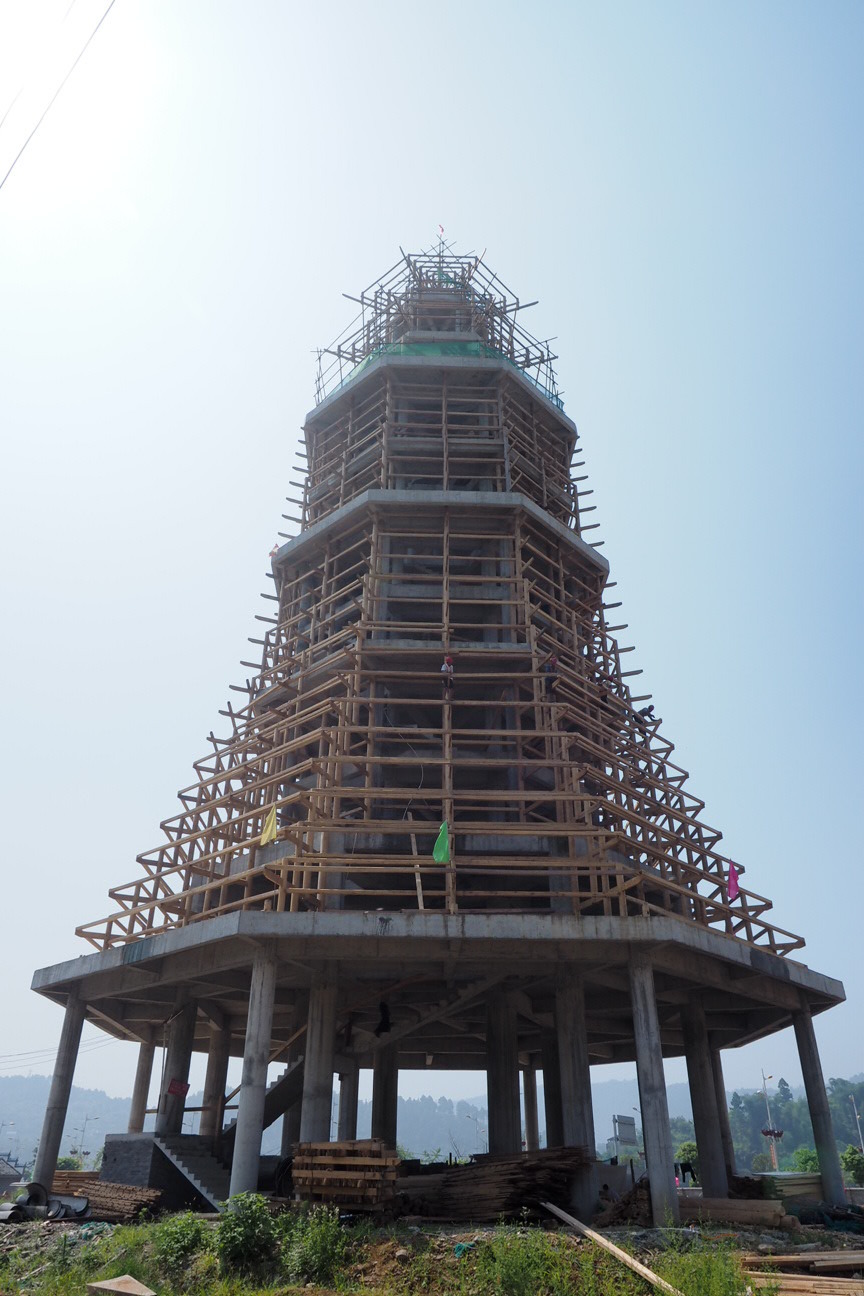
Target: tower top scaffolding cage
[437, 298]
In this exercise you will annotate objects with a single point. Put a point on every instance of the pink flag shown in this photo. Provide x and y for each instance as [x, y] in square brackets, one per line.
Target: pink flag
[732, 887]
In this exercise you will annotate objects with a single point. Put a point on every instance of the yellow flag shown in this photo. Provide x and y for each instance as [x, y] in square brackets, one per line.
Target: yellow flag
[270, 828]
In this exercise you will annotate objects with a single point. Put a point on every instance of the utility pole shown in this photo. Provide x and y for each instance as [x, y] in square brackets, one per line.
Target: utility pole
[771, 1144]
[857, 1121]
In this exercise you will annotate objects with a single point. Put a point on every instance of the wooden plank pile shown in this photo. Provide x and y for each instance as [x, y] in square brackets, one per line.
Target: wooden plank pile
[359, 1175]
[811, 1273]
[74, 1183]
[492, 1187]
[116, 1203]
[728, 1210]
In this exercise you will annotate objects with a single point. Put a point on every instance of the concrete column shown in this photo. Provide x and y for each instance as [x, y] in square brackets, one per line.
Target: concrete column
[575, 1071]
[652, 1091]
[703, 1099]
[61, 1086]
[318, 1072]
[181, 1037]
[291, 1129]
[552, 1089]
[723, 1113]
[574, 1067]
[502, 1074]
[297, 1050]
[820, 1113]
[141, 1087]
[349, 1093]
[532, 1123]
[385, 1094]
[253, 1080]
[215, 1081]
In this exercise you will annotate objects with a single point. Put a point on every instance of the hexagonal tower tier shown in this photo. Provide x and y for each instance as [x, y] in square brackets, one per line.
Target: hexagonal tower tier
[441, 831]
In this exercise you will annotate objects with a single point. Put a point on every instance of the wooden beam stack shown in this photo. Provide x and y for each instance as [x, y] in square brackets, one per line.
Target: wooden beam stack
[359, 1175]
[495, 1187]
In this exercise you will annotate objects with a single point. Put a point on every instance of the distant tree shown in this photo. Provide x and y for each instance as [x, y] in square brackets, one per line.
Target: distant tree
[681, 1129]
[688, 1151]
[761, 1162]
[70, 1163]
[805, 1160]
[852, 1161]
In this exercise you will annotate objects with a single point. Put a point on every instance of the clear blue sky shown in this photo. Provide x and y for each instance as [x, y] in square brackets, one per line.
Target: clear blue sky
[679, 184]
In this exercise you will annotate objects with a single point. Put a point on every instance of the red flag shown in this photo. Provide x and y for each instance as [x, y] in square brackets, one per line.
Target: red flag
[732, 888]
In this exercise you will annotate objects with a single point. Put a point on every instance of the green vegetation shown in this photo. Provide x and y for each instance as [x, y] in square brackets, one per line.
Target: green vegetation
[251, 1252]
[852, 1160]
[748, 1117]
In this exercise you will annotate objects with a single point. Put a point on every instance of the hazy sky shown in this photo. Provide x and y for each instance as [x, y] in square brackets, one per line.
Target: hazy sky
[679, 184]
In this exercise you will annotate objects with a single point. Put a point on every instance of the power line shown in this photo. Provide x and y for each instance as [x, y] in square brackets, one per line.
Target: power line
[21, 88]
[56, 92]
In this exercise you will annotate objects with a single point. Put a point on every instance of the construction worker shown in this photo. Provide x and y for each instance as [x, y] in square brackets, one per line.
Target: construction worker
[550, 671]
[447, 676]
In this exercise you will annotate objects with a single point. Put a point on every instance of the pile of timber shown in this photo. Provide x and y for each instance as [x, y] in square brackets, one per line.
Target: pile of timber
[790, 1284]
[359, 1175]
[747, 1187]
[491, 1187]
[808, 1272]
[73, 1183]
[728, 1210]
[116, 1203]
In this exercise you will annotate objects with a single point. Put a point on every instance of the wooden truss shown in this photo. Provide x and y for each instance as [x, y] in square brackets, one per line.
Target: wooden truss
[440, 516]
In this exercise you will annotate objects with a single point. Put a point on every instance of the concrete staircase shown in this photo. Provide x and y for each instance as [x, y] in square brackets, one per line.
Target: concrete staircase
[193, 1157]
[285, 1090]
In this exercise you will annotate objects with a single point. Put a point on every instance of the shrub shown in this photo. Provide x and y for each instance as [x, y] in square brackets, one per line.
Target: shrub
[246, 1233]
[314, 1246]
[853, 1163]
[176, 1240]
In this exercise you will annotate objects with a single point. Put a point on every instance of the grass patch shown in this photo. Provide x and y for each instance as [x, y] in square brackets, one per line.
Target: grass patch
[251, 1252]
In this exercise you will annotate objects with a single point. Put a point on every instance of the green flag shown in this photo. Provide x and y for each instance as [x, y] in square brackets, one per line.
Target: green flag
[441, 849]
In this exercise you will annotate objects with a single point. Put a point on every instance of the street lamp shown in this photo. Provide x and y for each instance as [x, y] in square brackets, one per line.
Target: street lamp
[770, 1136]
[480, 1126]
[857, 1121]
[83, 1131]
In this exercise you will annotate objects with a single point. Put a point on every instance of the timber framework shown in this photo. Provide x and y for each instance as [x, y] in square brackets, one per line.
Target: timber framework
[438, 793]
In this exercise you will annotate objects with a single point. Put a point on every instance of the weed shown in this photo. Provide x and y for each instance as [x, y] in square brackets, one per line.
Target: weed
[176, 1240]
[316, 1246]
[246, 1233]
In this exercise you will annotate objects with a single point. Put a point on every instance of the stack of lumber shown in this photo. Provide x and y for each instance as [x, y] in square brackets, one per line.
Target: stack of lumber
[808, 1272]
[490, 1187]
[807, 1187]
[116, 1203]
[745, 1213]
[360, 1175]
[805, 1284]
[74, 1183]
[119, 1203]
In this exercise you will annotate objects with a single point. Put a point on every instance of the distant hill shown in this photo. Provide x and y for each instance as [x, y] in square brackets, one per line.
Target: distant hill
[425, 1125]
